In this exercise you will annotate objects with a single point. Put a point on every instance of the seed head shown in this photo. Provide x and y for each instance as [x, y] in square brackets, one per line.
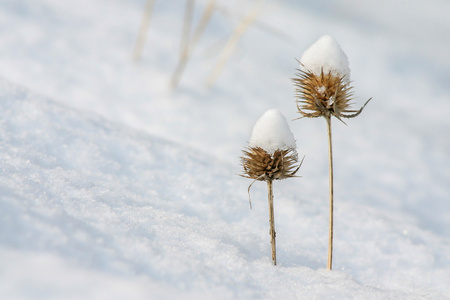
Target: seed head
[261, 165]
[324, 95]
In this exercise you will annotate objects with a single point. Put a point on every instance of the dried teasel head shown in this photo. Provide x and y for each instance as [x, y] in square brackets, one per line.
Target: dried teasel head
[261, 165]
[271, 153]
[324, 95]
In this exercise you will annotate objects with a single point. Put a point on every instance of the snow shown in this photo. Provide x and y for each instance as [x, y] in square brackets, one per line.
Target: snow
[271, 132]
[326, 55]
[113, 187]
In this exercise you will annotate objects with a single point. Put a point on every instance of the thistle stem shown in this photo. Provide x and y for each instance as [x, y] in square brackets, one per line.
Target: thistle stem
[330, 175]
[272, 221]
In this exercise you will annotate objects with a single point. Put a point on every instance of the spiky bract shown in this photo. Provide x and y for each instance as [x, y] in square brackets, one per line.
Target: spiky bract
[261, 165]
[324, 95]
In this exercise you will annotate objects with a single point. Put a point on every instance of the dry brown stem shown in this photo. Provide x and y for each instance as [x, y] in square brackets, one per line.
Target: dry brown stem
[272, 222]
[330, 177]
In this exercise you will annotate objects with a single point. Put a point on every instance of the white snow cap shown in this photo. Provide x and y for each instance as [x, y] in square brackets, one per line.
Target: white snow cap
[271, 132]
[327, 54]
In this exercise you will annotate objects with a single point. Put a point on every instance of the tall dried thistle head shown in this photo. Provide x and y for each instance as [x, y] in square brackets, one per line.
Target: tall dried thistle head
[261, 165]
[324, 95]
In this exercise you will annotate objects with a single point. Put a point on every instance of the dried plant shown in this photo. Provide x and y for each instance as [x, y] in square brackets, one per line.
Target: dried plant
[189, 45]
[325, 95]
[232, 43]
[145, 23]
[260, 165]
[189, 42]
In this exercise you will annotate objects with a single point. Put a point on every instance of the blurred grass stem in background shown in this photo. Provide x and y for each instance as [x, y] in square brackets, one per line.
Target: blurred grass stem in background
[143, 29]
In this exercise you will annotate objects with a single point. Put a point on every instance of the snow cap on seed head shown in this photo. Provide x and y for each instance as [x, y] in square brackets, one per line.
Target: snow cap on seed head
[271, 132]
[271, 152]
[326, 54]
[323, 83]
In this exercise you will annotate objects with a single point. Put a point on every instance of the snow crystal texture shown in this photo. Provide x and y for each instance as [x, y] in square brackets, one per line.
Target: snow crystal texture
[271, 132]
[326, 55]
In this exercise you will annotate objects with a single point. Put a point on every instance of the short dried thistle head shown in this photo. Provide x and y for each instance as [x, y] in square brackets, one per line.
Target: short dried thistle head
[261, 165]
[324, 95]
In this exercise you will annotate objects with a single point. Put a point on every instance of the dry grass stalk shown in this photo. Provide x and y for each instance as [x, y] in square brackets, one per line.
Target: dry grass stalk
[325, 95]
[190, 45]
[263, 166]
[257, 23]
[143, 29]
[232, 42]
[187, 23]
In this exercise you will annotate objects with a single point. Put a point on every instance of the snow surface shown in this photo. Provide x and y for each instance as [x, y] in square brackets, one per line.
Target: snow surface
[271, 133]
[326, 55]
[112, 187]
